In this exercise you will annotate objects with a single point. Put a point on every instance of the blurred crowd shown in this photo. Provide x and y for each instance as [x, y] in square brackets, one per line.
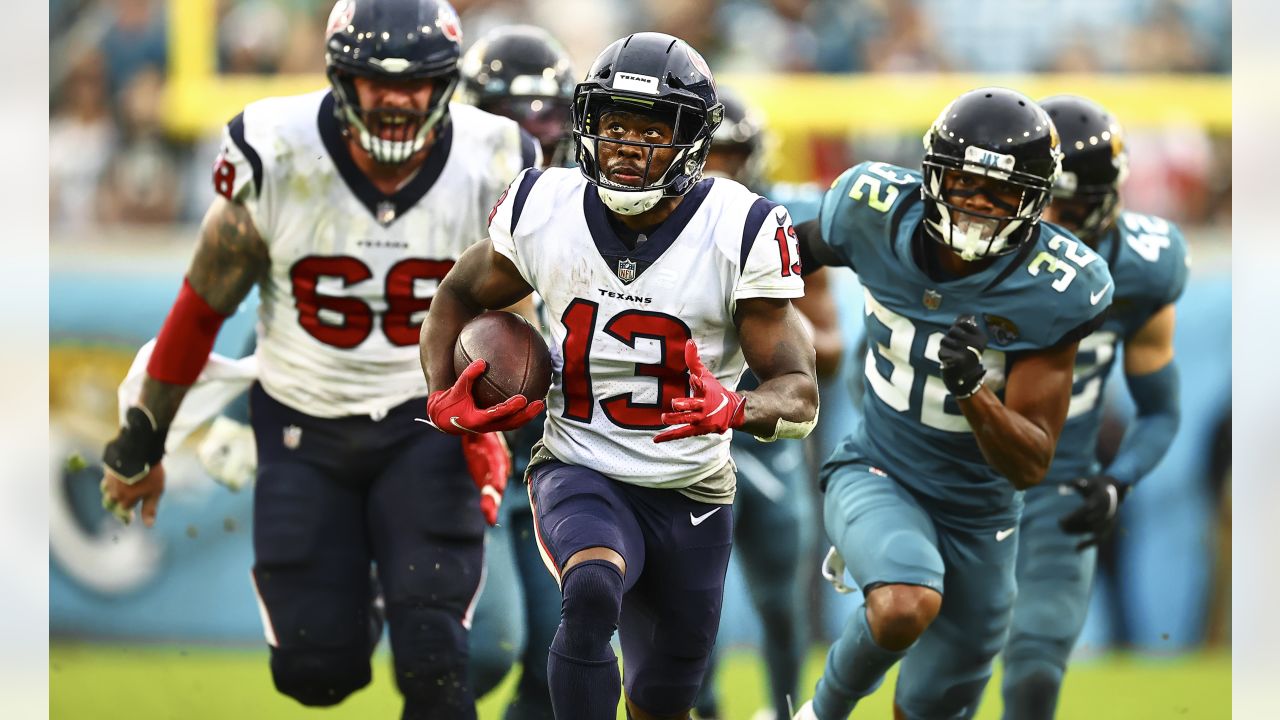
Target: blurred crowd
[111, 160]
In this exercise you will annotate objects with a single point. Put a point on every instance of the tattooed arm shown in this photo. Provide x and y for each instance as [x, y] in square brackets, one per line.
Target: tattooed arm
[229, 259]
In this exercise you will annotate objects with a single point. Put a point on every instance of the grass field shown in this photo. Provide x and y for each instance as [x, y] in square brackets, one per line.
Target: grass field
[102, 682]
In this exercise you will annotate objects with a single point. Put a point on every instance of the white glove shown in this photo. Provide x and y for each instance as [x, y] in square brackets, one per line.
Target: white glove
[229, 453]
[833, 571]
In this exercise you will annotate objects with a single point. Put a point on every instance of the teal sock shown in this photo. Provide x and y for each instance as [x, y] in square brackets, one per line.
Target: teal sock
[855, 668]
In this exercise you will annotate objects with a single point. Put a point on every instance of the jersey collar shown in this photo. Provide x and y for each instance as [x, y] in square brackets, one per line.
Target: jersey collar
[386, 209]
[611, 247]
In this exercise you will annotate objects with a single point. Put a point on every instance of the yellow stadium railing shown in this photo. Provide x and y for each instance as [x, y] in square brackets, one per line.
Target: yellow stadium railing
[200, 100]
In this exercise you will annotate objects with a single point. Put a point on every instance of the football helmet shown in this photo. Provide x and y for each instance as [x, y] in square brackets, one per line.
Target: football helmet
[1095, 161]
[650, 74]
[393, 40]
[1000, 134]
[521, 72]
[742, 131]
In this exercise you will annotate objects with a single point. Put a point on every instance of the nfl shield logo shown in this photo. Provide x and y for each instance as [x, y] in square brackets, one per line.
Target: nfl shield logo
[932, 299]
[292, 436]
[386, 212]
[626, 270]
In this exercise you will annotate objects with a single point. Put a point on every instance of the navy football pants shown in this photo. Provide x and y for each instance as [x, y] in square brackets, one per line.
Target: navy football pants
[335, 495]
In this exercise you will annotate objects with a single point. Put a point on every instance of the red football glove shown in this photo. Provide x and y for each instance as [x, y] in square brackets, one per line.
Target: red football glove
[711, 409]
[454, 410]
[489, 462]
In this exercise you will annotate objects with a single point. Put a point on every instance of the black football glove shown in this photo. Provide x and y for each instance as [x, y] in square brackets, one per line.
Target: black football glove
[1097, 517]
[961, 357]
[138, 448]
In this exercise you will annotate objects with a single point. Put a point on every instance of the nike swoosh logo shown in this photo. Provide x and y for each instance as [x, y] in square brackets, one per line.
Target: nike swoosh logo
[697, 519]
[1002, 534]
[1095, 297]
[724, 400]
[461, 427]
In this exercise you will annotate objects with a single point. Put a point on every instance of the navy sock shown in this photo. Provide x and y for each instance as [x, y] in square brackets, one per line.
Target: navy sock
[582, 670]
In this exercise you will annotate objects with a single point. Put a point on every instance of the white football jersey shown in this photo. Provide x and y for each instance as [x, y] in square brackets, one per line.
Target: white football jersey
[353, 270]
[619, 318]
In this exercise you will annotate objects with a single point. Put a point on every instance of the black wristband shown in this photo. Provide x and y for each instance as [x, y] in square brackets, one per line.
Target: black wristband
[138, 448]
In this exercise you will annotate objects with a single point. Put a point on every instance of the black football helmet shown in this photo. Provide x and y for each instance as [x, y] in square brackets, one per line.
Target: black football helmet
[521, 72]
[650, 74]
[1000, 134]
[742, 131]
[1095, 162]
[394, 40]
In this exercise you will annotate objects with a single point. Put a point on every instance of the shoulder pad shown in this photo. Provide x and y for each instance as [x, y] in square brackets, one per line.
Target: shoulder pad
[1067, 285]
[1152, 261]
[863, 205]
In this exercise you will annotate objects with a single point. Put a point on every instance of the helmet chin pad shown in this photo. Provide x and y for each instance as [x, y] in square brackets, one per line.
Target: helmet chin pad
[625, 202]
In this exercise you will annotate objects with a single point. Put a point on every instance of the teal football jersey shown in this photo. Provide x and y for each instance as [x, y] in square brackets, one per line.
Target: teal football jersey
[1031, 299]
[1148, 259]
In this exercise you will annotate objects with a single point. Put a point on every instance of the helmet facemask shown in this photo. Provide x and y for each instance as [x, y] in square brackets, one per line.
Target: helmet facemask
[1088, 211]
[975, 235]
[546, 118]
[691, 130]
[391, 135]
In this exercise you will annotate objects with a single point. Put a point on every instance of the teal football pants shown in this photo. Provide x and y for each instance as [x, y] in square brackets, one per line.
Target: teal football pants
[1054, 582]
[887, 535]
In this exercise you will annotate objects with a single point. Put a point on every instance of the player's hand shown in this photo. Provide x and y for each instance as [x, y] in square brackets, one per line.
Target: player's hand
[1097, 517]
[711, 409]
[961, 357]
[119, 497]
[489, 462]
[454, 410]
[132, 469]
[229, 453]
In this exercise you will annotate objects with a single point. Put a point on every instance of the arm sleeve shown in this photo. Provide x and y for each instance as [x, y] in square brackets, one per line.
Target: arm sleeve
[815, 253]
[1158, 413]
[770, 263]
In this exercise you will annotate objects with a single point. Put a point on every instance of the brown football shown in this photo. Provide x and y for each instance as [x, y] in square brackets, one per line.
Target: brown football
[519, 362]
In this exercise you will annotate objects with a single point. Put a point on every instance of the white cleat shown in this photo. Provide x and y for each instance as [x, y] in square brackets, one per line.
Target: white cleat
[805, 712]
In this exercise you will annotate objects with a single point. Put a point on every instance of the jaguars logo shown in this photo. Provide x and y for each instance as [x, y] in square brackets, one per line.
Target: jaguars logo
[1002, 330]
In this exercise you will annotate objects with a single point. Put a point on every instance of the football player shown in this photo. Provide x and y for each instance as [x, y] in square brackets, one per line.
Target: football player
[661, 287]
[1059, 533]
[974, 312]
[346, 207]
[773, 528]
[520, 72]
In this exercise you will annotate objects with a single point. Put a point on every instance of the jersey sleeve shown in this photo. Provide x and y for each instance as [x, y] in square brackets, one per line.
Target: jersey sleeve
[1081, 281]
[770, 255]
[238, 171]
[1175, 268]
[859, 211]
[505, 217]
[513, 150]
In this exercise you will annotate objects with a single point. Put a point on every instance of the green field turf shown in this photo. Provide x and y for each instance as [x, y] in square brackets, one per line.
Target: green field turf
[103, 682]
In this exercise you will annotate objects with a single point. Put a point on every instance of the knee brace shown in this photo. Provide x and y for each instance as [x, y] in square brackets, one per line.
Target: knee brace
[589, 612]
[429, 650]
[319, 677]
